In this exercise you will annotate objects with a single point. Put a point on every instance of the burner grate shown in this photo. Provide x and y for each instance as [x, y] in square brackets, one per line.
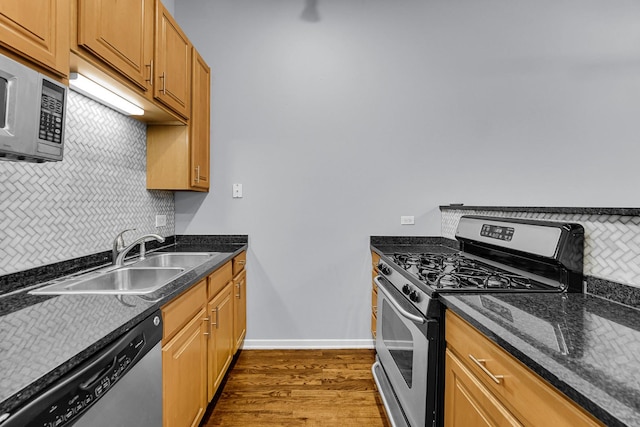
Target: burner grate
[454, 271]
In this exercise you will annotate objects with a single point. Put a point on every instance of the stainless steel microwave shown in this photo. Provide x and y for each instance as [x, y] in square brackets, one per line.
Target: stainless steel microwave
[32, 114]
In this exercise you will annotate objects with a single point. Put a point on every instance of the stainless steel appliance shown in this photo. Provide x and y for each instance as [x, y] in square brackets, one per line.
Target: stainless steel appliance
[497, 255]
[119, 387]
[32, 114]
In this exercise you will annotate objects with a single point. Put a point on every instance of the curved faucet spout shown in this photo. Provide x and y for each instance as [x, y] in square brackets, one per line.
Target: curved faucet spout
[139, 241]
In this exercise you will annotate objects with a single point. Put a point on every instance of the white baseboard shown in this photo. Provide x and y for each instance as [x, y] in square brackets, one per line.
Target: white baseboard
[306, 344]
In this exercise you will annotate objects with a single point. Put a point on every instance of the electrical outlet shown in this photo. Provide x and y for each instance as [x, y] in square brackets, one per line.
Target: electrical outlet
[407, 220]
[237, 191]
[161, 220]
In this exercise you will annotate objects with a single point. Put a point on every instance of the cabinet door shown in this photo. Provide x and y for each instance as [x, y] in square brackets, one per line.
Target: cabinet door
[199, 122]
[38, 30]
[121, 33]
[221, 339]
[184, 373]
[468, 402]
[172, 84]
[239, 310]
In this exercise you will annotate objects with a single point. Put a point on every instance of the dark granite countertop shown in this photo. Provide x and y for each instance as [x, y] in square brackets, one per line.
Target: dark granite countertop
[548, 209]
[415, 244]
[587, 347]
[43, 337]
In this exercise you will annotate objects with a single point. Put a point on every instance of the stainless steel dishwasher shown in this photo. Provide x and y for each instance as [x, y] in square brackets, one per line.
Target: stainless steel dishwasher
[121, 386]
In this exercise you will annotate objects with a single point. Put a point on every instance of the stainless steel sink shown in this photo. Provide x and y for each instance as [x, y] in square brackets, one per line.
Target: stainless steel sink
[125, 280]
[138, 278]
[176, 259]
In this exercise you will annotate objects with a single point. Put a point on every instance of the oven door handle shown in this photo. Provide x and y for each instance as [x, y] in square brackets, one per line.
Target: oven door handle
[396, 305]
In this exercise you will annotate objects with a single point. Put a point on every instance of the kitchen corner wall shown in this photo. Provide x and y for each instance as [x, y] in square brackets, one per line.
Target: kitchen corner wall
[56, 211]
[611, 245]
[337, 126]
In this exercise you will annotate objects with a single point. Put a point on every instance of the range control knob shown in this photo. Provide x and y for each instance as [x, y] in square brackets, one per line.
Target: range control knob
[384, 269]
[406, 289]
[414, 296]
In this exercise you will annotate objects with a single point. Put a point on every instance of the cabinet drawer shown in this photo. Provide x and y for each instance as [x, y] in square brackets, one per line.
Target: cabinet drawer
[531, 398]
[239, 262]
[181, 310]
[468, 402]
[218, 279]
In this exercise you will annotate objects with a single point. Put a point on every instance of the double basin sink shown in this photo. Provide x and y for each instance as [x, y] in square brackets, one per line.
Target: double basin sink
[138, 278]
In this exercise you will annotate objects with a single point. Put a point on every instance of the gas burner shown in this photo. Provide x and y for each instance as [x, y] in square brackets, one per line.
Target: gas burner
[448, 281]
[497, 281]
[455, 271]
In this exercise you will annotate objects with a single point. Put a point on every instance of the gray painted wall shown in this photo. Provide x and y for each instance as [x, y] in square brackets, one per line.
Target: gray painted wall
[387, 108]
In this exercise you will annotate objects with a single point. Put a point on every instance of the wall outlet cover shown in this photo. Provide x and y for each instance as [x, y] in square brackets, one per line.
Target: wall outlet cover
[407, 220]
[161, 220]
[237, 191]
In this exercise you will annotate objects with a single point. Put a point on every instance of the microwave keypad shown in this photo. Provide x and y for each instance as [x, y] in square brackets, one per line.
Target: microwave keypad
[51, 119]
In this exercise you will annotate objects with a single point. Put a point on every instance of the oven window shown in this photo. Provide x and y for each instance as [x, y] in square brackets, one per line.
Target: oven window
[4, 90]
[397, 339]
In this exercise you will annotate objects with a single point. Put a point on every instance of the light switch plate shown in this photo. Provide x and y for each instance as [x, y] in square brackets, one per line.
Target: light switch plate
[161, 220]
[237, 191]
[407, 220]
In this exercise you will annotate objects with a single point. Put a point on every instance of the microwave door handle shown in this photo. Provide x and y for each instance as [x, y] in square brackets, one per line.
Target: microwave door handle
[396, 305]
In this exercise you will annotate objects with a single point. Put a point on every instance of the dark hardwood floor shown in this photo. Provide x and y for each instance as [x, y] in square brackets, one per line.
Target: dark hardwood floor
[299, 388]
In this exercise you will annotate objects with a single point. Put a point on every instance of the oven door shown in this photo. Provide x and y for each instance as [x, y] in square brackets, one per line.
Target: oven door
[407, 349]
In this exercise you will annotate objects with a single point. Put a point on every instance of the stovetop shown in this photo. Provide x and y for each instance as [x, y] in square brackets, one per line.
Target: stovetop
[459, 272]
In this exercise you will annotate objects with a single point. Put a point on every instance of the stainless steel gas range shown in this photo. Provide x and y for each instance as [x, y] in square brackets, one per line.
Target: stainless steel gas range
[497, 255]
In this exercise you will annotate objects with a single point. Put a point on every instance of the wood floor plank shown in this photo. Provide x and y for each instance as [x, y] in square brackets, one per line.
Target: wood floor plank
[291, 388]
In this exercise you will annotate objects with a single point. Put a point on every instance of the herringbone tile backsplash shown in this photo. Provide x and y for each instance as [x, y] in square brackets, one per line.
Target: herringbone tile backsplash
[612, 242]
[55, 211]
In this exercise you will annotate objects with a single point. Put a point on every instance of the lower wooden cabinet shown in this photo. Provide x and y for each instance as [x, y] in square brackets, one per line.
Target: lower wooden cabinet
[486, 386]
[203, 328]
[184, 359]
[239, 309]
[221, 339]
[468, 402]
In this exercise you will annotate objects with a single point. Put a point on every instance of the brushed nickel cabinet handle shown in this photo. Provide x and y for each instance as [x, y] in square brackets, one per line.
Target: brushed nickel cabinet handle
[242, 261]
[198, 173]
[206, 319]
[238, 288]
[480, 363]
[150, 79]
[215, 310]
[164, 84]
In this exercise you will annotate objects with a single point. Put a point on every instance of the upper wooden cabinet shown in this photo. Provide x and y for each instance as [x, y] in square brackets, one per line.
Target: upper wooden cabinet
[199, 122]
[121, 34]
[178, 156]
[37, 30]
[172, 74]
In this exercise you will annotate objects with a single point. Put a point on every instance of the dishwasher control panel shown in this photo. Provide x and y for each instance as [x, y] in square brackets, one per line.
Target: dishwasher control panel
[90, 388]
[75, 393]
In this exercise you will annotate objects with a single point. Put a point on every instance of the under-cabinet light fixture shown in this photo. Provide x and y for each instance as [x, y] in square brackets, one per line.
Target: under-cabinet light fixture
[105, 96]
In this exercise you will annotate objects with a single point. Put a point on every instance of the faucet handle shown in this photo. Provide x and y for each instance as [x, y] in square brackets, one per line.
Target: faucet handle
[118, 242]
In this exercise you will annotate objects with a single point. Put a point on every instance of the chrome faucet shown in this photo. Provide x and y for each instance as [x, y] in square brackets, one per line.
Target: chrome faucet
[139, 241]
[118, 244]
